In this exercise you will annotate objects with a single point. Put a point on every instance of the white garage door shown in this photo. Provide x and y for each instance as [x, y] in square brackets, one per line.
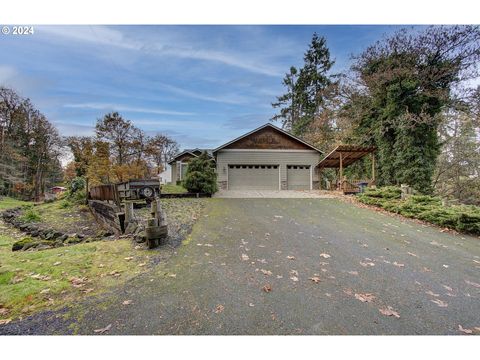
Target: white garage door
[253, 177]
[298, 177]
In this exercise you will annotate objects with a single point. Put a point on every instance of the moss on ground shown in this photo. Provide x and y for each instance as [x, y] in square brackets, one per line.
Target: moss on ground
[173, 189]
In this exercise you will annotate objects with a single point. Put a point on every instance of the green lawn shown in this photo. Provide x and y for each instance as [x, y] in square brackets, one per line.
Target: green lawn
[8, 202]
[173, 189]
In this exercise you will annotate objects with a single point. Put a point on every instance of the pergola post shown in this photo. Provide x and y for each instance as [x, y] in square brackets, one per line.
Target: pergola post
[341, 169]
[373, 166]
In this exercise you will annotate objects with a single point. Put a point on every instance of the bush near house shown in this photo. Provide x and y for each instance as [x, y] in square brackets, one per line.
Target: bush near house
[201, 176]
[464, 218]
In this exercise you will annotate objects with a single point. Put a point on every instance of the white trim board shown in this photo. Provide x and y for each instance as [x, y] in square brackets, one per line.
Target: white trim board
[268, 150]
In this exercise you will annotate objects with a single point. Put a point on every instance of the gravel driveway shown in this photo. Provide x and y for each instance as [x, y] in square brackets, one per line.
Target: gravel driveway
[329, 268]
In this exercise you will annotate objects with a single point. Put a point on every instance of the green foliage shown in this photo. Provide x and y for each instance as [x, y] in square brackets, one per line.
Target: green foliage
[77, 184]
[201, 176]
[305, 88]
[30, 214]
[173, 189]
[464, 218]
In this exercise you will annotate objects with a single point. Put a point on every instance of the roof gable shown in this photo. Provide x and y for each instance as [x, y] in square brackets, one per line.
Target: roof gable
[268, 137]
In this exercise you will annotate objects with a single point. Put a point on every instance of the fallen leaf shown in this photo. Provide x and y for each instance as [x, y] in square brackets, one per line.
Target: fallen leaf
[251, 305]
[245, 257]
[348, 292]
[142, 264]
[172, 275]
[365, 264]
[3, 311]
[439, 302]
[266, 272]
[267, 288]
[445, 266]
[290, 257]
[315, 279]
[208, 245]
[324, 255]
[279, 277]
[353, 272]
[412, 254]
[78, 282]
[5, 321]
[56, 263]
[447, 287]
[364, 297]
[398, 264]
[89, 290]
[472, 283]
[102, 330]
[129, 258]
[278, 216]
[430, 292]
[219, 309]
[294, 278]
[466, 331]
[388, 311]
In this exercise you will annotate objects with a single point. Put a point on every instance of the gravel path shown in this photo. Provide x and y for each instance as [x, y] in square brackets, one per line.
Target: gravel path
[328, 268]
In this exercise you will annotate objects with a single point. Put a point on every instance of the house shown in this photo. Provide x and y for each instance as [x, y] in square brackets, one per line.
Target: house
[58, 189]
[267, 158]
[178, 164]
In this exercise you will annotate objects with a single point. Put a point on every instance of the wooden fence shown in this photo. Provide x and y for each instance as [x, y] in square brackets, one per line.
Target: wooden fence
[103, 193]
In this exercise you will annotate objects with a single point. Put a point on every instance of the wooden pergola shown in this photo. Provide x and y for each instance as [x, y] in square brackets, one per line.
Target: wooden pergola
[344, 155]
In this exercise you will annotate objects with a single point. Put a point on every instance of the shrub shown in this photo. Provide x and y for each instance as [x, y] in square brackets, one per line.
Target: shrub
[77, 184]
[465, 218]
[30, 215]
[201, 176]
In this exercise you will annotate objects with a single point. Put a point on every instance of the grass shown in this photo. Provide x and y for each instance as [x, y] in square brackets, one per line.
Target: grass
[8, 203]
[31, 281]
[463, 218]
[173, 189]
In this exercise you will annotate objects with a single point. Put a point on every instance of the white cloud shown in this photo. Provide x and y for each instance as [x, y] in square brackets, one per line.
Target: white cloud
[168, 47]
[118, 107]
[225, 99]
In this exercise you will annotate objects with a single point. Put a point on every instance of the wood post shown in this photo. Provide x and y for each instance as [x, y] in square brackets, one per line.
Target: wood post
[129, 216]
[341, 169]
[373, 167]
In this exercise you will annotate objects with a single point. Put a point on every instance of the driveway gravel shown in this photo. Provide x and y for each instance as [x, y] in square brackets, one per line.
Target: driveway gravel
[291, 266]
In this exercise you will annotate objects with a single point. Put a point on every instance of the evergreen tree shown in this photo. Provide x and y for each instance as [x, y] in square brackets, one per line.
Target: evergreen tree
[305, 88]
[201, 176]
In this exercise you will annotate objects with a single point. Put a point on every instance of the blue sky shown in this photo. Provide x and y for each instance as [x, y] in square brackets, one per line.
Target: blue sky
[203, 85]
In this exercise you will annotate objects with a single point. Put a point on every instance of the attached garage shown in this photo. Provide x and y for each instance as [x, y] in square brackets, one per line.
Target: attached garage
[267, 158]
[299, 177]
[253, 177]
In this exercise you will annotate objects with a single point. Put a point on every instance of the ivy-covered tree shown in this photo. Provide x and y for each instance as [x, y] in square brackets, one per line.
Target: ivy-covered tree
[405, 83]
[201, 176]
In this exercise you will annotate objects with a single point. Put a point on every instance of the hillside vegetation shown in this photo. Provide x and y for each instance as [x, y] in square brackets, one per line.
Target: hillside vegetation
[463, 218]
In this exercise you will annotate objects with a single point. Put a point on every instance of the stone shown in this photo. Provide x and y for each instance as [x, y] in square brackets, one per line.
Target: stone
[131, 227]
[58, 243]
[50, 235]
[140, 237]
[62, 238]
[80, 236]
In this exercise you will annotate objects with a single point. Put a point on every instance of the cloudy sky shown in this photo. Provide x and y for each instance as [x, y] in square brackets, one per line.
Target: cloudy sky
[203, 85]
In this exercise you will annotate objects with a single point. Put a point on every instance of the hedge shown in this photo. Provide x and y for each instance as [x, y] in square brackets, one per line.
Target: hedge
[463, 218]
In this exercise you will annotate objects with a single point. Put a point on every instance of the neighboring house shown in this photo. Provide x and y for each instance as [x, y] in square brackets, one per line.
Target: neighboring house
[179, 163]
[166, 175]
[267, 158]
[58, 189]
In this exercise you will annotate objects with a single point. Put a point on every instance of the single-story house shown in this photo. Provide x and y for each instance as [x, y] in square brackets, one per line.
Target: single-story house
[267, 158]
[178, 164]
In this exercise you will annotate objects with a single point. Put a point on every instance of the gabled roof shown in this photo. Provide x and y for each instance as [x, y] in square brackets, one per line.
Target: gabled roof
[262, 127]
[194, 152]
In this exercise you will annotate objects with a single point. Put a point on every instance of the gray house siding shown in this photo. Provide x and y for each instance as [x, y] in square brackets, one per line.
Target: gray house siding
[282, 158]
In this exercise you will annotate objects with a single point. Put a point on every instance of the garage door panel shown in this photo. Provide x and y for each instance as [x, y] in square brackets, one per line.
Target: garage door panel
[298, 177]
[253, 177]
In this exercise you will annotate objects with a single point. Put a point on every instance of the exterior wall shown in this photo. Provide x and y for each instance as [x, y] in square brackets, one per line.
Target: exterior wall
[173, 169]
[282, 158]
